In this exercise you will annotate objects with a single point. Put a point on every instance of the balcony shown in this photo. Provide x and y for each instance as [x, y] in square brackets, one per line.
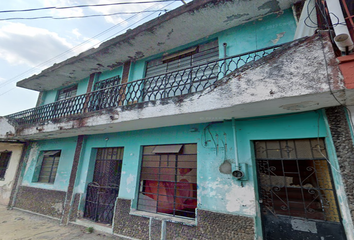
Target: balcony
[171, 84]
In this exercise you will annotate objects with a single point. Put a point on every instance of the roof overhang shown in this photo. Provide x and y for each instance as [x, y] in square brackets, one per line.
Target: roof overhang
[188, 23]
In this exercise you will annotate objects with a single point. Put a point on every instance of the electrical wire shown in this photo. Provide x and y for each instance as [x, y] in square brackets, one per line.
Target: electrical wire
[84, 6]
[81, 44]
[76, 17]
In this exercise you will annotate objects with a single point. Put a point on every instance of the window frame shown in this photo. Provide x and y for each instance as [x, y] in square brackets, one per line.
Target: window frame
[65, 91]
[44, 158]
[5, 162]
[184, 183]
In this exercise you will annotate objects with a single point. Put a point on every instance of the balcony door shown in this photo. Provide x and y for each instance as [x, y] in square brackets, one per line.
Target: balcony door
[296, 191]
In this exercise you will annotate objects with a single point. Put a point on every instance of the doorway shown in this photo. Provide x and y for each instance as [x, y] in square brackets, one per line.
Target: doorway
[296, 191]
[103, 190]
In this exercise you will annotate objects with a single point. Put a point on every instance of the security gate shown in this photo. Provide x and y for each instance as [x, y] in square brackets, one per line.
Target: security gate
[296, 192]
[102, 192]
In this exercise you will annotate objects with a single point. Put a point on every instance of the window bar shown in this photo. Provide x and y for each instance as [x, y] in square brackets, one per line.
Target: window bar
[158, 185]
[270, 178]
[300, 181]
[349, 17]
[319, 188]
[51, 169]
[175, 186]
[285, 185]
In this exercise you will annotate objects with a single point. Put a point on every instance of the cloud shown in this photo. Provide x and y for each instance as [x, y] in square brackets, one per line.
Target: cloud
[76, 32]
[64, 12]
[120, 19]
[22, 44]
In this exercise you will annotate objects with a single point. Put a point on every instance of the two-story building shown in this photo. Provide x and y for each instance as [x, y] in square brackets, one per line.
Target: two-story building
[208, 122]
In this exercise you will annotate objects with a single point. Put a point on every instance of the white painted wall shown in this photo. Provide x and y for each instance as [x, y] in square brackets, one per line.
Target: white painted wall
[7, 184]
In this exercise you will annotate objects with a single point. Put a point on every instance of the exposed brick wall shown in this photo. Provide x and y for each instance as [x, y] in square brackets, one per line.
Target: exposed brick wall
[343, 144]
[211, 226]
[47, 202]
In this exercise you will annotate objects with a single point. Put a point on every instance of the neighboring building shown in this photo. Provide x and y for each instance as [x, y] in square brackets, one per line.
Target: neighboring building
[10, 155]
[208, 122]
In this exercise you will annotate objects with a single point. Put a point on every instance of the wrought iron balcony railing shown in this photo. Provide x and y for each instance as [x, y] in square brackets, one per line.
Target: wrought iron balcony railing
[171, 84]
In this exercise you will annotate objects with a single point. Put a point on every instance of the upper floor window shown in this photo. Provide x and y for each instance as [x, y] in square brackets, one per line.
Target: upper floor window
[4, 161]
[67, 92]
[48, 164]
[193, 56]
[106, 83]
[168, 180]
[183, 72]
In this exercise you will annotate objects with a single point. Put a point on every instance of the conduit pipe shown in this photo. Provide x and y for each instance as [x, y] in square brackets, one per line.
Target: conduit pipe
[343, 40]
[235, 143]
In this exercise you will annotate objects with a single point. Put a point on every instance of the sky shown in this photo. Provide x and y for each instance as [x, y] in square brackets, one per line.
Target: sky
[29, 46]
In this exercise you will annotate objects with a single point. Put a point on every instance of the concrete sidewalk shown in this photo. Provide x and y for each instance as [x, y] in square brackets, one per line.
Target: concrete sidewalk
[19, 225]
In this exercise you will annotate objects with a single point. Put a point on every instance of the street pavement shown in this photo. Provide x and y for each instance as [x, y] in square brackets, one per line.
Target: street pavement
[19, 225]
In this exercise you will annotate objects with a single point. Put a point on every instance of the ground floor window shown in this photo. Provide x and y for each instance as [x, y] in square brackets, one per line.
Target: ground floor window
[168, 180]
[4, 161]
[48, 163]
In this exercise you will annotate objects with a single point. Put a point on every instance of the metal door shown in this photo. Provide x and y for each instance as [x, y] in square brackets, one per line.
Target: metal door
[102, 192]
[296, 193]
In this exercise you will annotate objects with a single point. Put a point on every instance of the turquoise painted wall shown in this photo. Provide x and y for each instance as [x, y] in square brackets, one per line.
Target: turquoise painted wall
[51, 96]
[82, 86]
[266, 32]
[272, 30]
[67, 147]
[216, 191]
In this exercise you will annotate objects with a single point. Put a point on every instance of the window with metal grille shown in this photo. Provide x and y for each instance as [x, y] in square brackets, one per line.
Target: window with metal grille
[182, 72]
[168, 180]
[49, 166]
[67, 92]
[106, 83]
[4, 161]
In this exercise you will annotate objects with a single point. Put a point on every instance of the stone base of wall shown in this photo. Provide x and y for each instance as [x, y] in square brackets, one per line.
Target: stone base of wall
[128, 225]
[343, 144]
[46, 202]
[211, 226]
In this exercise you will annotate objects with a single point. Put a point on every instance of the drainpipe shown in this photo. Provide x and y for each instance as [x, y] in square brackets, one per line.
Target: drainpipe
[343, 40]
[235, 143]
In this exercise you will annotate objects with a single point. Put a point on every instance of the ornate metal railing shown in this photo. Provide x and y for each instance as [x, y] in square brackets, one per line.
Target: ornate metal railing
[171, 84]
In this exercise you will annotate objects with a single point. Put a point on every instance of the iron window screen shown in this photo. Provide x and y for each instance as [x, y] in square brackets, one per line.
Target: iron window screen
[168, 180]
[4, 161]
[49, 166]
[67, 92]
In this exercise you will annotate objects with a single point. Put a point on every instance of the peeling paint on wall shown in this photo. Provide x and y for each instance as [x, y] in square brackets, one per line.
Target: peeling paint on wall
[130, 181]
